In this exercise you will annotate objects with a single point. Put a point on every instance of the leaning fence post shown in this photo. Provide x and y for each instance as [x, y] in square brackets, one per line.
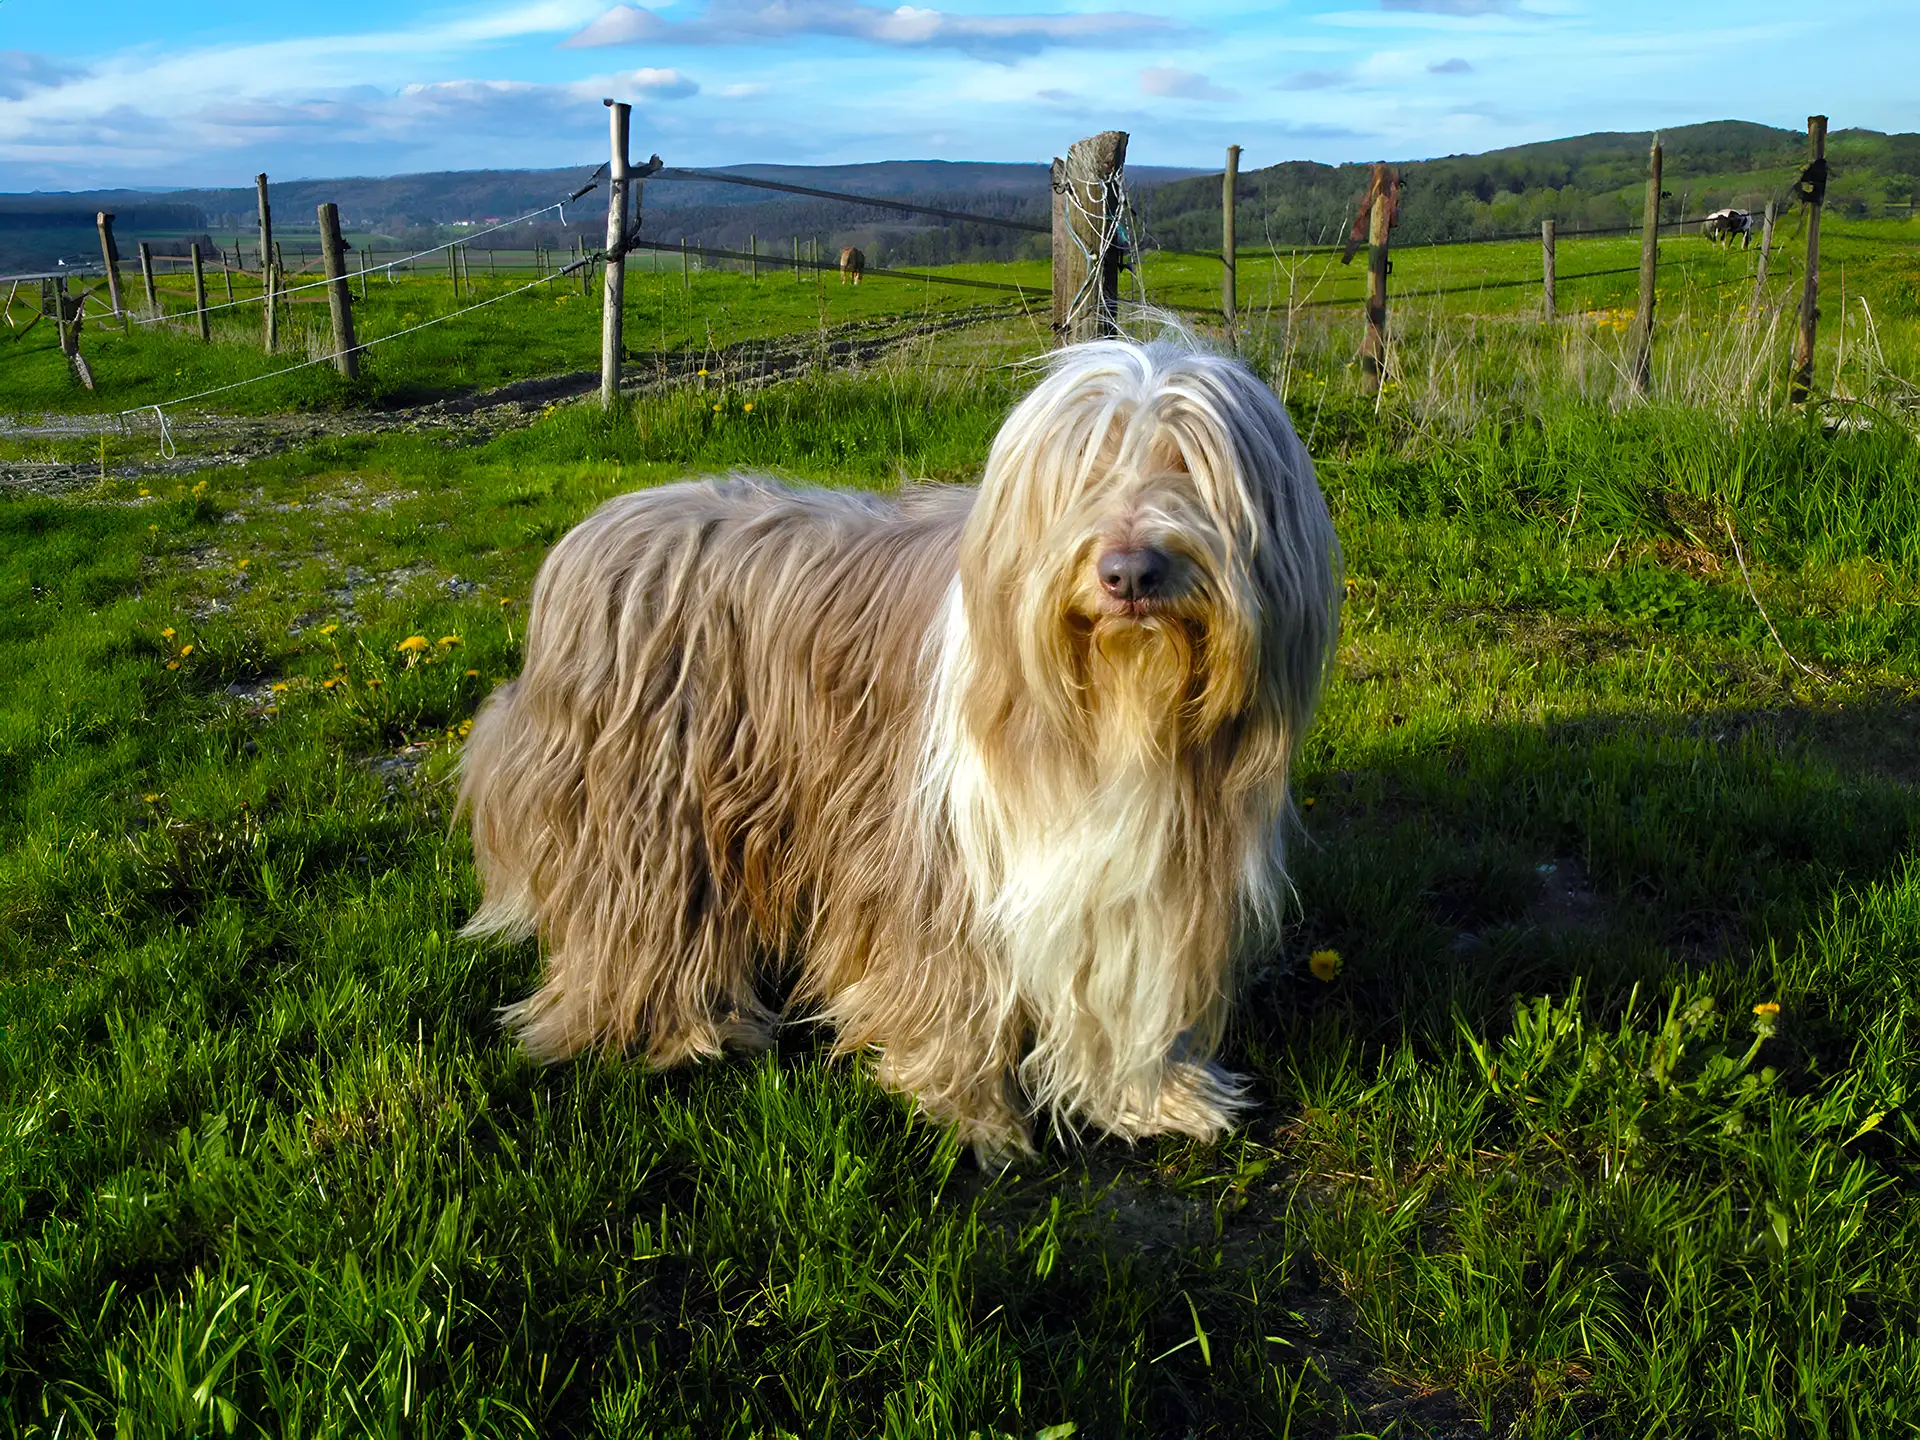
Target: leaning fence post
[1813, 190]
[1373, 345]
[200, 292]
[1760, 271]
[1548, 280]
[146, 275]
[1229, 256]
[110, 254]
[266, 224]
[1642, 372]
[613, 302]
[1087, 250]
[333, 256]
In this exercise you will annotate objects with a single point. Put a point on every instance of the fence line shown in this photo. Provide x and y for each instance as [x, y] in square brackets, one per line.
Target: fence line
[672, 172]
[711, 253]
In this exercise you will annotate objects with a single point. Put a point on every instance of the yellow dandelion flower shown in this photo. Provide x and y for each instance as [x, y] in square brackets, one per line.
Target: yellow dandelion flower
[245, 563]
[1325, 964]
[153, 527]
[328, 629]
[185, 650]
[151, 799]
[703, 374]
[330, 682]
[373, 684]
[748, 407]
[412, 645]
[173, 664]
[278, 686]
[1307, 803]
[145, 493]
[1767, 1009]
[716, 409]
[473, 674]
[505, 600]
[167, 634]
[446, 640]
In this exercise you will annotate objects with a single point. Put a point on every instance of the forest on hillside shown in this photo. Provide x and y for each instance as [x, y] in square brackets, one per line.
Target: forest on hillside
[1593, 182]
[1587, 182]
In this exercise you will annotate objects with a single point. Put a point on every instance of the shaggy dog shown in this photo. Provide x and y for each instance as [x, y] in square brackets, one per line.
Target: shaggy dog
[996, 779]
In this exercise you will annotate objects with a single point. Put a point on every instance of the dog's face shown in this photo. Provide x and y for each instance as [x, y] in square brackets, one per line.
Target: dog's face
[1131, 546]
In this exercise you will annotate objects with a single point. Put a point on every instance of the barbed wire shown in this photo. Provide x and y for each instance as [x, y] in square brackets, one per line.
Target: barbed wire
[388, 266]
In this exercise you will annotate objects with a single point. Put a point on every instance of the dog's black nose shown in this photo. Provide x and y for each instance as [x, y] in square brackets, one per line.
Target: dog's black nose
[1134, 574]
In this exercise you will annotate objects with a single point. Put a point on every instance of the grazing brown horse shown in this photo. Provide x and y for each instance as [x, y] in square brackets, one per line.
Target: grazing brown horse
[853, 264]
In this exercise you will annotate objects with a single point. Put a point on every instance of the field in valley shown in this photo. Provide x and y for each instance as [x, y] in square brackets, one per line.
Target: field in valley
[1600, 1125]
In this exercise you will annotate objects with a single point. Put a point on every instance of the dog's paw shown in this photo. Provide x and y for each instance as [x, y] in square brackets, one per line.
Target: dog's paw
[1196, 1098]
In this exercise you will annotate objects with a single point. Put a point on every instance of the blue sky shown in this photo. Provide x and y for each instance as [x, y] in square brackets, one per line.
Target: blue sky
[143, 94]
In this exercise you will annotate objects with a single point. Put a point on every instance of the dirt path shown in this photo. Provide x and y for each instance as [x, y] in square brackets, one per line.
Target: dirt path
[206, 441]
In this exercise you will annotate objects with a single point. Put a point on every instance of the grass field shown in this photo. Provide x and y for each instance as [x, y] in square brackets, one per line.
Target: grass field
[1602, 1128]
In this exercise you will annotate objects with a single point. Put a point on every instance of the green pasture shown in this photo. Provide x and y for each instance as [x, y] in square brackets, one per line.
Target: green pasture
[1601, 1124]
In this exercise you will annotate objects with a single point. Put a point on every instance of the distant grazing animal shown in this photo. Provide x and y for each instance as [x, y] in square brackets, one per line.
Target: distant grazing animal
[996, 778]
[853, 264]
[1722, 225]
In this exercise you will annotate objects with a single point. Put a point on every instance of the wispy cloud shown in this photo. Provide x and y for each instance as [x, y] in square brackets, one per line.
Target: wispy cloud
[1455, 66]
[744, 22]
[1172, 84]
[22, 71]
[1452, 7]
[662, 84]
[1313, 80]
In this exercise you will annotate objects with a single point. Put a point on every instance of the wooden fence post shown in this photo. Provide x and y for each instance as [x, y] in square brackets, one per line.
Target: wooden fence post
[1642, 372]
[270, 281]
[346, 358]
[686, 279]
[1229, 250]
[453, 271]
[1760, 271]
[110, 254]
[613, 301]
[753, 251]
[266, 224]
[226, 273]
[146, 275]
[1813, 191]
[1548, 280]
[796, 257]
[200, 292]
[1373, 345]
[1086, 247]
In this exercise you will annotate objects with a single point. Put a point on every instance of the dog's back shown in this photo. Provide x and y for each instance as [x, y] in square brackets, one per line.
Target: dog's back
[714, 719]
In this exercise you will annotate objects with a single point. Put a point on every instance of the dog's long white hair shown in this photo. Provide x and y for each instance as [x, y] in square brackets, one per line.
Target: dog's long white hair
[995, 780]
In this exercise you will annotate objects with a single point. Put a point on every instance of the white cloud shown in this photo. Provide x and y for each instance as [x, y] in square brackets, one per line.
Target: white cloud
[744, 90]
[662, 84]
[743, 22]
[1455, 66]
[1167, 82]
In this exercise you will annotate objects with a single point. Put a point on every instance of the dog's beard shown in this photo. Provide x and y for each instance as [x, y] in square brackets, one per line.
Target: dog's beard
[1140, 686]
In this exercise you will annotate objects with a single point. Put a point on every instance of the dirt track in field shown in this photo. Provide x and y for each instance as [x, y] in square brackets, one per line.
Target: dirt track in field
[207, 441]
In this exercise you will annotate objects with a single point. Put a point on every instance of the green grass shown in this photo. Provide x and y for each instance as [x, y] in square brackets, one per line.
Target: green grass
[1531, 1164]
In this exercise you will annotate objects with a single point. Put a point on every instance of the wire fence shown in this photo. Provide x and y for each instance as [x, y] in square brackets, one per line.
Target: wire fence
[1122, 229]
